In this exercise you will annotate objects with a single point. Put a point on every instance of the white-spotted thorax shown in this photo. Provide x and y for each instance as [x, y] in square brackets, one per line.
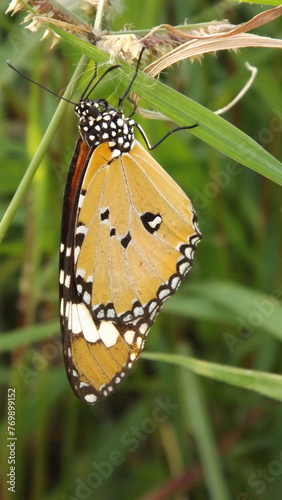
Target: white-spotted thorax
[100, 122]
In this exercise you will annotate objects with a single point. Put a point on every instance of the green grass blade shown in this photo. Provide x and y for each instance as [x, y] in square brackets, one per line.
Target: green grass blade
[24, 336]
[265, 2]
[267, 384]
[196, 415]
[230, 303]
[258, 310]
[212, 128]
[40, 153]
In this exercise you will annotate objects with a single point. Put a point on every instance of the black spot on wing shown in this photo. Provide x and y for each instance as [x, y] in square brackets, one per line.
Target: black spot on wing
[151, 222]
[126, 240]
[105, 215]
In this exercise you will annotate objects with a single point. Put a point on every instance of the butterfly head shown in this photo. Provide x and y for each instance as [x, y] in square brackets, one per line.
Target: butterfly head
[100, 122]
[90, 108]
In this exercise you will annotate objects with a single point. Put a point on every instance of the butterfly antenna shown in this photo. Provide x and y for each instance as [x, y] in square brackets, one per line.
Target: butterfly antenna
[126, 92]
[39, 84]
[83, 96]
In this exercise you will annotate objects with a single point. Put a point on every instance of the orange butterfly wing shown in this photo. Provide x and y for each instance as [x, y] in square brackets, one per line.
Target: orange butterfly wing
[128, 240]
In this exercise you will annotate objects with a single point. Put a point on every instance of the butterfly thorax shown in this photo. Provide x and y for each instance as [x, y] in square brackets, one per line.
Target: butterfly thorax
[99, 122]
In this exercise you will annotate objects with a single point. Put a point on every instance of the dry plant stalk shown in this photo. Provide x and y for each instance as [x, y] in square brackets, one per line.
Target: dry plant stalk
[164, 48]
[227, 37]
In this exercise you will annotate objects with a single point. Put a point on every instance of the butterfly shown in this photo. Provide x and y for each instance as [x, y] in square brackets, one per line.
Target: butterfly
[128, 238]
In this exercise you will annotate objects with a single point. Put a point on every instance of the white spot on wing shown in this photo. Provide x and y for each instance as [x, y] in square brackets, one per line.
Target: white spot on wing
[90, 398]
[81, 230]
[143, 328]
[87, 297]
[80, 201]
[76, 253]
[129, 336]
[74, 323]
[154, 223]
[101, 314]
[110, 313]
[138, 311]
[86, 323]
[175, 282]
[67, 311]
[189, 252]
[67, 281]
[152, 306]
[80, 272]
[183, 268]
[139, 342]
[108, 333]
[164, 293]
[62, 274]
[128, 317]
